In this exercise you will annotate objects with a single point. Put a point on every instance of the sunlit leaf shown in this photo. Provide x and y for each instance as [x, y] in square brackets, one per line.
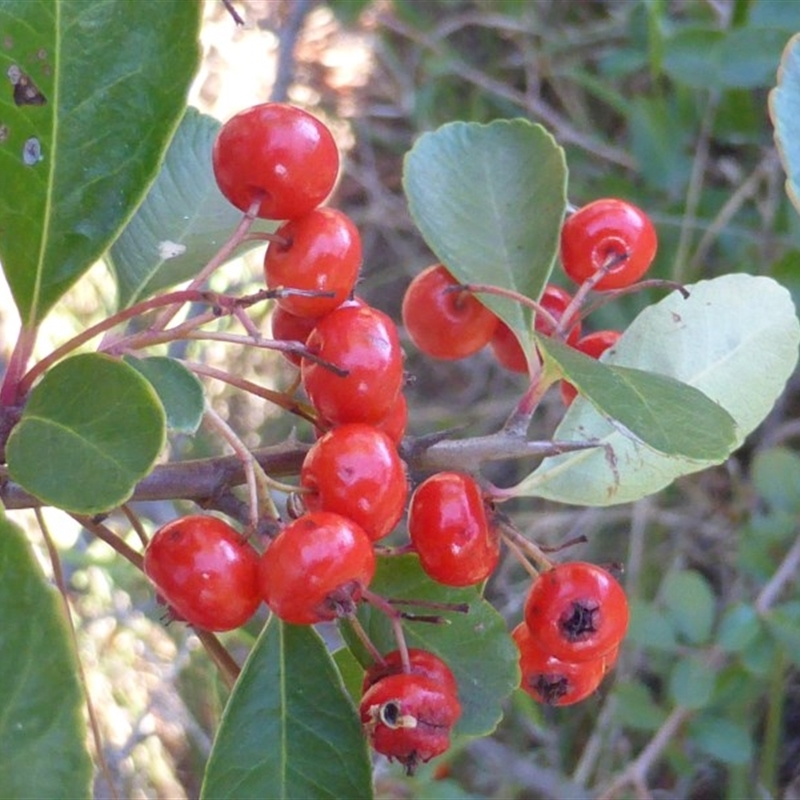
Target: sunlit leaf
[489, 201]
[42, 730]
[111, 77]
[92, 428]
[290, 730]
[784, 107]
[735, 339]
[179, 390]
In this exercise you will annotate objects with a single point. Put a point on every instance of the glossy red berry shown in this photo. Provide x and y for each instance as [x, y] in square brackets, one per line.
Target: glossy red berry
[205, 570]
[362, 341]
[551, 681]
[288, 327]
[608, 233]
[593, 345]
[409, 718]
[279, 151]
[322, 254]
[395, 422]
[577, 611]
[452, 531]
[354, 470]
[316, 568]
[422, 662]
[443, 322]
[504, 344]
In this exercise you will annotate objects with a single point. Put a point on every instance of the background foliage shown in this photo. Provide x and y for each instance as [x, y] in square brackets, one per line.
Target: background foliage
[663, 103]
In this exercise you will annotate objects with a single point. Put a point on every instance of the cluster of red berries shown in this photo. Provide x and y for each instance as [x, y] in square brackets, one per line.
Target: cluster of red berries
[608, 244]
[279, 162]
[576, 615]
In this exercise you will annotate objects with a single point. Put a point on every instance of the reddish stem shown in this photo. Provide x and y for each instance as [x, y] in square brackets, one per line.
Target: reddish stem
[13, 388]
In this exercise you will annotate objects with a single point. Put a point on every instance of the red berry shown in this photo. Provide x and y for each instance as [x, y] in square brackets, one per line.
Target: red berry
[550, 681]
[504, 344]
[323, 253]
[395, 422]
[205, 570]
[577, 611]
[316, 568]
[409, 718]
[451, 530]
[354, 470]
[288, 327]
[423, 663]
[442, 322]
[277, 150]
[612, 233]
[594, 345]
[364, 342]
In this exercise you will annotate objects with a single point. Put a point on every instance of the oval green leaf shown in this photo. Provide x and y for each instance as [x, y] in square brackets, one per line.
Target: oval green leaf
[76, 155]
[663, 413]
[42, 732]
[691, 682]
[183, 220]
[722, 738]
[92, 428]
[476, 645]
[784, 108]
[489, 201]
[289, 729]
[179, 390]
[735, 339]
[690, 603]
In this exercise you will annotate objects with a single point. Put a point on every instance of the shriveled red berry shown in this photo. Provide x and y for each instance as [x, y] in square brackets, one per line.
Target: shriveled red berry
[363, 342]
[608, 234]
[205, 570]
[422, 662]
[451, 530]
[316, 568]
[594, 345]
[322, 254]
[354, 470]
[409, 718]
[504, 344]
[577, 611]
[551, 681]
[288, 327]
[278, 151]
[444, 322]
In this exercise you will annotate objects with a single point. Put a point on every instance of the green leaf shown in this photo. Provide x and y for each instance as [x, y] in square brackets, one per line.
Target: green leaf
[783, 623]
[476, 646]
[691, 682]
[183, 220]
[650, 627]
[784, 109]
[179, 390]
[635, 707]
[690, 603]
[42, 732]
[721, 738]
[113, 76]
[776, 478]
[351, 671]
[290, 729]
[92, 428]
[705, 58]
[669, 416]
[489, 201]
[739, 626]
[735, 339]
